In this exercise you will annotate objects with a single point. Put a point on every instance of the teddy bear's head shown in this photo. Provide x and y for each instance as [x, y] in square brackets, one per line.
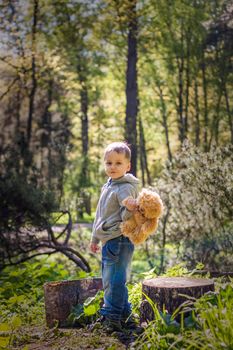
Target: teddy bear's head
[149, 204]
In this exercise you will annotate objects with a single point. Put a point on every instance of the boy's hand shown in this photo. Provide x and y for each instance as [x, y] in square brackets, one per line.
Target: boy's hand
[130, 203]
[94, 248]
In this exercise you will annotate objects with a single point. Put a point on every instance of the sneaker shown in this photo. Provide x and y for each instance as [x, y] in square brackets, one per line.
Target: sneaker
[130, 323]
[111, 325]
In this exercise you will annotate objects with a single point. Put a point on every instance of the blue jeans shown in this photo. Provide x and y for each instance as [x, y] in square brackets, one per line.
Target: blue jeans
[116, 258]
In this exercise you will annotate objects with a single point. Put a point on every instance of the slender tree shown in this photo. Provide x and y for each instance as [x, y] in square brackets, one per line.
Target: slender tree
[32, 93]
[131, 85]
[143, 155]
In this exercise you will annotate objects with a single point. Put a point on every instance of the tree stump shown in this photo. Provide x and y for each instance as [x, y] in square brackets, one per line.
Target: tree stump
[61, 296]
[167, 292]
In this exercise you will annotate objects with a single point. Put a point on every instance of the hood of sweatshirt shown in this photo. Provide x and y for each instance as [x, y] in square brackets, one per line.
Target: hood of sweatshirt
[127, 178]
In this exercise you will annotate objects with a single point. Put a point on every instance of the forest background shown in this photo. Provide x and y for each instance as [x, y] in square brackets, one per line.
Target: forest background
[77, 75]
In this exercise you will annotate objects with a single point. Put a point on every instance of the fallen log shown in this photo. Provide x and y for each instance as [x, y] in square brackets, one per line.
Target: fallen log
[168, 293]
[61, 296]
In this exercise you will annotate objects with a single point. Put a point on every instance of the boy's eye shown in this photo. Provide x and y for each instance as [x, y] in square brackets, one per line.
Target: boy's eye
[118, 163]
[108, 163]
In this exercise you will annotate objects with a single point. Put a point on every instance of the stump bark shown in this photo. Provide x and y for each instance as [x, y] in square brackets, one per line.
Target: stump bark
[167, 292]
[61, 296]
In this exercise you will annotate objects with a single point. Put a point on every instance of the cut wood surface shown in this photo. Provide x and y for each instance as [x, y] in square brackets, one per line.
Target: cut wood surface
[61, 296]
[169, 293]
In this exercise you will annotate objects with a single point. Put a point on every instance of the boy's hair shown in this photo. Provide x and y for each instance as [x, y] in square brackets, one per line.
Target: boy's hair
[119, 147]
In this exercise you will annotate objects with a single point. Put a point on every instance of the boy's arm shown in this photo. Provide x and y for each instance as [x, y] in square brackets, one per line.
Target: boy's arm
[94, 241]
[129, 191]
[94, 244]
[94, 247]
[130, 203]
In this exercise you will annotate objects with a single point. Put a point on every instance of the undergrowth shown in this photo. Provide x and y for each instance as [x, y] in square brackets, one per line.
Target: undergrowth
[208, 326]
[22, 297]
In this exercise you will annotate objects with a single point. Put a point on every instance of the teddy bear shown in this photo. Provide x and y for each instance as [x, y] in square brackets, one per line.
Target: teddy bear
[147, 209]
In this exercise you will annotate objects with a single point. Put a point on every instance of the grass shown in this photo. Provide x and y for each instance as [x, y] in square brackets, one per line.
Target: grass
[210, 326]
[22, 319]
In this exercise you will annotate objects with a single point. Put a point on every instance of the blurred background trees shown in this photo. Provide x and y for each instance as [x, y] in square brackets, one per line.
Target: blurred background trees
[77, 75]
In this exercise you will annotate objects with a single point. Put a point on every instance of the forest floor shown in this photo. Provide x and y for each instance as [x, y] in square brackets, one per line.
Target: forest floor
[42, 338]
[39, 337]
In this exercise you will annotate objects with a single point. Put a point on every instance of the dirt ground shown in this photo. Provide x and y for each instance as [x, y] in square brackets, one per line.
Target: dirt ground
[42, 338]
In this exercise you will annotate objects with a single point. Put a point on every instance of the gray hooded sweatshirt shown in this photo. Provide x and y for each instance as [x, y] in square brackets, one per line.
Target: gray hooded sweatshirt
[110, 210]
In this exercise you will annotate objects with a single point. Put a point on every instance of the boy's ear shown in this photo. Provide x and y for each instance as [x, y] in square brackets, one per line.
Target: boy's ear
[129, 166]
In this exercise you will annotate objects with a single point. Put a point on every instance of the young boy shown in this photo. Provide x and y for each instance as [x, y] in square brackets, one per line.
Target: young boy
[117, 250]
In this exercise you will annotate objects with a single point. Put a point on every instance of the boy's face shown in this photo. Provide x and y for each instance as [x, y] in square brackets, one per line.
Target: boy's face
[116, 164]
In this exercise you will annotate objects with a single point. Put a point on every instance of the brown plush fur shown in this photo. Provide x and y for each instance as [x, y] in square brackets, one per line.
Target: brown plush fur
[144, 220]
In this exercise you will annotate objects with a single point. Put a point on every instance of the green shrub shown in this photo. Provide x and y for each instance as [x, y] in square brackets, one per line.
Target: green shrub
[208, 327]
[197, 190]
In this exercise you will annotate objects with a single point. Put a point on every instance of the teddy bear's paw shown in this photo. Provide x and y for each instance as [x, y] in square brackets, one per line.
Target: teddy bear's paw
[125, 229]
[149, 227]
[138, 240]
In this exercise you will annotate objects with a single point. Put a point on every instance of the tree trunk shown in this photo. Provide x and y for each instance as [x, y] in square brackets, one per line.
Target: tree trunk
[206, 117]
[164, 237]
[46, 137]
[131, 87]
[141, 163]
[18, 99]
[81, 70]
[180, 65]
[197, 115]
[143, 155]
[187, 71]
[61, 296]
[229, 112]
[34, 80]
[84, 175]
[180, 104]
[84, 119]
[169, 292]
[165, 122]
[214, 132]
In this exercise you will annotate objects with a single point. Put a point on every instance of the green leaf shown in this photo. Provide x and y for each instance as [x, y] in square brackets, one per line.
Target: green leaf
[4, 342]
[4, 327]
[16, 321]
[89, 301]
[17, 299]
[90, 310]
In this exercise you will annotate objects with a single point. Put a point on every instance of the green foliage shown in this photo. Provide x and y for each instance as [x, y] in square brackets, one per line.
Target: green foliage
[86, 313]
[215, 319]
[181, 269]
[22, 298]
[135, 296]
[209, 325]
[21, 290]
[22, 279]
[23, 203]
[197, 190]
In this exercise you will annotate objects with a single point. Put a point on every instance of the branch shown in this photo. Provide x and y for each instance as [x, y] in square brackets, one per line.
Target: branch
[9, 88]
[71, 253]
[4, 59]
[25, 259]
[25, 243]
[68, 227]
